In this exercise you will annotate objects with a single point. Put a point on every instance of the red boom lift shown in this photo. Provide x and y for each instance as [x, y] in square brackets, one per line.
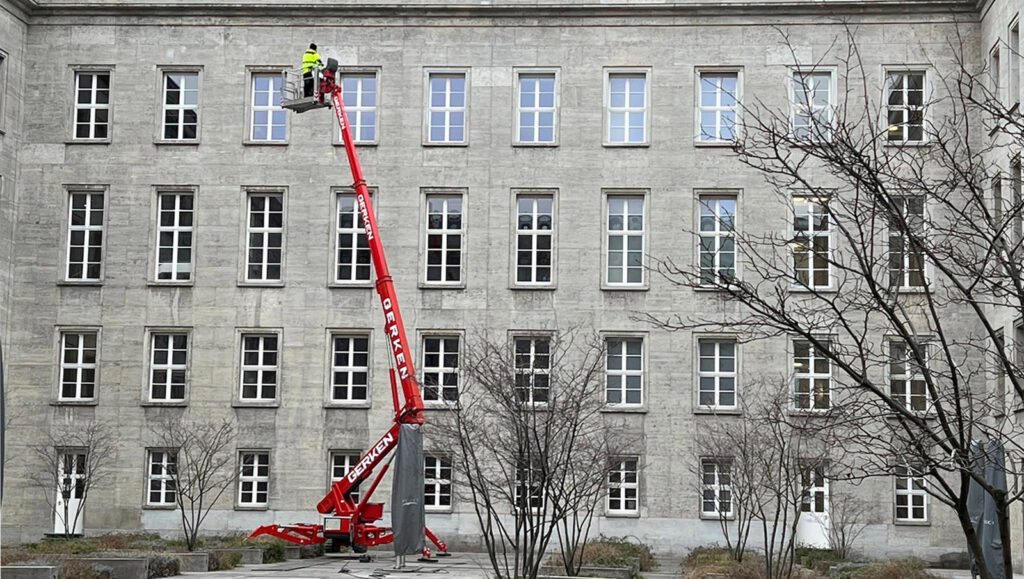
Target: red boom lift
[347, 522]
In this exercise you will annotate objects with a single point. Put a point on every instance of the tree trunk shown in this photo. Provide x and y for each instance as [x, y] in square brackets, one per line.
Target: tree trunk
[973, 544]
[1003, 518]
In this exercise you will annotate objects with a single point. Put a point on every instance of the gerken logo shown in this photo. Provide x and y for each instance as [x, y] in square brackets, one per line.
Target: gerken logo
[356, 473]
[391, 329]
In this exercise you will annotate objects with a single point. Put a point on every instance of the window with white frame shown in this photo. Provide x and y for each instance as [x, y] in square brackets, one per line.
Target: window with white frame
[532, 369]
[1017, 226]
[181, 106]
[627, 108]
[716, 373]
[813, 489]
[264, 237]
[625, 241]
[907, 384]
[447, 107]
[269, 122]
[440, 368]
[995, 72]
[911, 495]
[78, 366]
[342, 462]
[253, 478]
[623, 487]
[437, 482]
[718, 106]
[812, 243]
[534, 239]
[905, 103]
[85, 235]
[536, 108]
[1013, 44]
[72, 473]
[174, 236]
[444, 238]
[906, 255]
[812, 101]
[92, 105]
[350, 368]
[359, 93]
[717, 250]
[161, 478]
[716, 487]
[812, 377]
[260, 367]
[352, 260]
[624, 371]
[529, 490]
[168, 366]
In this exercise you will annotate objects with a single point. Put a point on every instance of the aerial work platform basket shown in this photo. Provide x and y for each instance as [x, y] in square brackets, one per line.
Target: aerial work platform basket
[294, 96]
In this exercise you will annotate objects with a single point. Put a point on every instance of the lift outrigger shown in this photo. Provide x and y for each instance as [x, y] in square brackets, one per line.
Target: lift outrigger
[347, 522]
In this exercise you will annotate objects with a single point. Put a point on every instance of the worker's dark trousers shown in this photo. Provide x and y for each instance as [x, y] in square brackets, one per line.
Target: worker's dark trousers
[307, 84]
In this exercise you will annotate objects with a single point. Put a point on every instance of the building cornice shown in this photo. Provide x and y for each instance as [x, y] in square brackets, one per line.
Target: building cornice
[21, 9]
[517, 10]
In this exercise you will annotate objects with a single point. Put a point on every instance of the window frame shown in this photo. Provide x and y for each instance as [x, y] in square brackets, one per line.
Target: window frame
[717, 407]
[442, 334]
[910, 492]
[90, 190]
[351, 333]
[1013, 65]
[905, 271]
[533, 371]
[624, 337]
[517, 74]
[552, 234]
[909, 374]
[161, 84]
[609, 72]
[158, 193]
[251, 72]
[810, 490]
[424, 227]
[718, 233]
[618, 467]
[717, 487]
[812, 377]
[334, 231]
[811, 234]
[77, 70]
[248, 193]
[439, 482]
[58, 392]
[255, 479]
[147, 395]
[645, 238]
[363, 71]
[536, 490]
[830, 70]
[926, 92]
[5, 60]
[348, 455]
[163, 479]
[699, 72]
[428, 73]
[240, 335]
[996, 71]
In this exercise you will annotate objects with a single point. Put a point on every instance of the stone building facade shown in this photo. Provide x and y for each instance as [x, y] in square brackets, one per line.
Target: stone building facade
[158, 211]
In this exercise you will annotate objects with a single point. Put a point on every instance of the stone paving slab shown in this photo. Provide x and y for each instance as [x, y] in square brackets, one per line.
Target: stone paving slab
[345, 567]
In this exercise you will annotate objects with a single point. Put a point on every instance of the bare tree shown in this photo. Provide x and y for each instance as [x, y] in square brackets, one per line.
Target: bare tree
[902, 268]
[848, 517]
[201, 466]
[75, 459]
[532, 445]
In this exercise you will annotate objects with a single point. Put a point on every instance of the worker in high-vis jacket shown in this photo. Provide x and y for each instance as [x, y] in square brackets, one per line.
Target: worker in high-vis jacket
[311, 64]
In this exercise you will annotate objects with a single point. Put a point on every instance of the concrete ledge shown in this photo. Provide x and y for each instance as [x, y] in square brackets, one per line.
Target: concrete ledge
[28, 572]
[122, 567]
[589, 571]
[197, 561]
[248, 556]
[292, 552]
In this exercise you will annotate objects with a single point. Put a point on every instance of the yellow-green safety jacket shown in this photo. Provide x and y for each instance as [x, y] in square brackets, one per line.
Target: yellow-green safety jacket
[310, 60]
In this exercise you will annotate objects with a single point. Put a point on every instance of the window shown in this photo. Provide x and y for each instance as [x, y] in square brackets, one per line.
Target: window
[625, 239]
[78, 366]
[716, 374]
[85, 236]
[447, 108]
[532, 370]
[812, 243]
[812, 377]
[905, 101]
[174, 236]
[717, 252]
[812, 106]
[181, 106]
[269, 122]
[623, 490]
[529, 492]
[717, 106]
[92, 106]
[168, 367]
[3, 89]
[994, 71]
[624, 366]
[1015, 193]
[440, 368]
[350, 368]
[444, 239]
[813, 489]
[1014, 64]
[906, 256]
[627, 108]
[536, 108]
[534, 239]
[162, 478]
[906, 378]
[265, 237]
[437, 482]
[353, 252]
[260, 367]
[253, 479]
[911, 495]
[342, 462]
[359, 93]
[716, 488]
